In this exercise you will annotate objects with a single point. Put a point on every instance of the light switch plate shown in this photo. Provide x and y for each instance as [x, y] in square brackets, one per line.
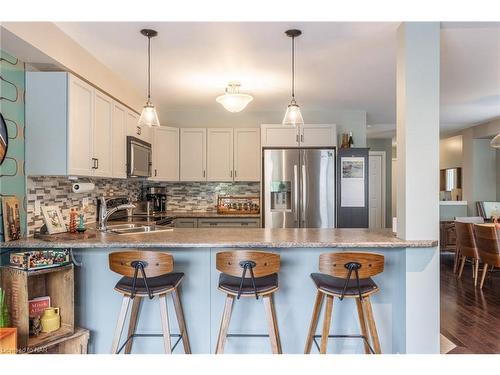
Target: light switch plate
[37, 207]
[85, 202]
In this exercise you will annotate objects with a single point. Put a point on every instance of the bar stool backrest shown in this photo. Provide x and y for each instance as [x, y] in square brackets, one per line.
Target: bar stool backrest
[337, 264]
[488, 243]
[466, 241]
[261, 263]
[155, 263]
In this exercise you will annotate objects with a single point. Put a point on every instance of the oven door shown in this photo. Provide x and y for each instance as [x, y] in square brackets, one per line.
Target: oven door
[139, 158]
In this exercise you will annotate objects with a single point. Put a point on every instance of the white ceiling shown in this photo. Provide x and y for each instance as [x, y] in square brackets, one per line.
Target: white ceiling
[338, 65]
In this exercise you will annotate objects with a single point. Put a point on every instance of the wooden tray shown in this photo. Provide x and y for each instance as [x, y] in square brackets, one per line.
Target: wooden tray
[67, 236]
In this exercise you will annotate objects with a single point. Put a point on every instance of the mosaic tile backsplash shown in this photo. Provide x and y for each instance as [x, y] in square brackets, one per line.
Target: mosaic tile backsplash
[181, 196]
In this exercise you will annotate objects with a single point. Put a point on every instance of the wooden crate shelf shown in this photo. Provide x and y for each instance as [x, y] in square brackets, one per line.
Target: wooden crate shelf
[21, 286]
[75, 343]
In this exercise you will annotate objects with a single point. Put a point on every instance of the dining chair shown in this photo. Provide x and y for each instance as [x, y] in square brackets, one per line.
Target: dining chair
[488, 241]
[464, 219]
[466, 244]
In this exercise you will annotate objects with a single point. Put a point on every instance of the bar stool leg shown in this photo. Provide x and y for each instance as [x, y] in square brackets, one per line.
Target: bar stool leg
[483, 276]
[180, 320]
[164, 323]
[326, 324]
[362, 324]
[224, 325]
[371, 324]
[314, 321]
[476, 271]
[462, 264]
[136, 306]
[272, 324]
[120, 323]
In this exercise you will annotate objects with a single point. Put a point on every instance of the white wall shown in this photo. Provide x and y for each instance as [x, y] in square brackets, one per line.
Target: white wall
[450, 152]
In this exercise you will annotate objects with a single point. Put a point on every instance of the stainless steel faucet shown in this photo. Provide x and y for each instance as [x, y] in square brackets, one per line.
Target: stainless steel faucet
[104, 213]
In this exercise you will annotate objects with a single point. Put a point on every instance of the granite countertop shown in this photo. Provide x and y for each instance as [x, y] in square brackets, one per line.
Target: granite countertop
[207, 214]
[236, 238]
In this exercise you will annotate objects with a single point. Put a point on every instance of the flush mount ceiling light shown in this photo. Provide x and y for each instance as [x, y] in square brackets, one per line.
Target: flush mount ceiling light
[293, 116]
[148, 115]
[495, 142]
[233, 100]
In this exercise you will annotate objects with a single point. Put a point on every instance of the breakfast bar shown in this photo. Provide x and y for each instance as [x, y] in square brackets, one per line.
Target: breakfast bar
[406, 308]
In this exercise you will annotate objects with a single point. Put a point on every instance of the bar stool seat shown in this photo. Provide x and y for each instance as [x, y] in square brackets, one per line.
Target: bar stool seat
[263, 285]
[157, 285]
[335, 285]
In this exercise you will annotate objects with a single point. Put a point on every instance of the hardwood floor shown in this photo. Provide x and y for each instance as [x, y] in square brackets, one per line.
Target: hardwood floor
[470, 318]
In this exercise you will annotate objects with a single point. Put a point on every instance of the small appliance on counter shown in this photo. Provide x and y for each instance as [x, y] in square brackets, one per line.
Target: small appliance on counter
[155, 199]
[230, 205]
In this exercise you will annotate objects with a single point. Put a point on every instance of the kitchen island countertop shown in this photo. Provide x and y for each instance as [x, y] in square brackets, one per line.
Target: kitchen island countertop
[236, 238]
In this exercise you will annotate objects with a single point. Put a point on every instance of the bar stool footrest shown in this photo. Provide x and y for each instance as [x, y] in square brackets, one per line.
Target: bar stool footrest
[179, 338]
[247, 335]
[345, 337]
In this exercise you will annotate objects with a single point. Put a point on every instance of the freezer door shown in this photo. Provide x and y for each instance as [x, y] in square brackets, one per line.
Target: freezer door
[317, 187]
[281, 188]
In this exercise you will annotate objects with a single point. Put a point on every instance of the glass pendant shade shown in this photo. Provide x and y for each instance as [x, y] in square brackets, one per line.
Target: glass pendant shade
[495, 142]
[233, 100]
[149, 116]
[293, 116]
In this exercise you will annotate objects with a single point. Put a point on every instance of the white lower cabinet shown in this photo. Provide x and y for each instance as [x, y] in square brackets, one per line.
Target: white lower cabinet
[165, 154]
[220, 222]
[220, 154]
[193, 154]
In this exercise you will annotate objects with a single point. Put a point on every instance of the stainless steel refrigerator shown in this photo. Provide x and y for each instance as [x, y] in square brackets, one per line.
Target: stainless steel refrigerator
[298, 188]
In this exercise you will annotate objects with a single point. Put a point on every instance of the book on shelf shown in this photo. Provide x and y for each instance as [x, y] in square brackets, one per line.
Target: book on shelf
[36, 306]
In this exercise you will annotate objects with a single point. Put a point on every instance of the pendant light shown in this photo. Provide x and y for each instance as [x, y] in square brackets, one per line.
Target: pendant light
[233, 100]
[293, 116]
[495, 142]
[148, 115]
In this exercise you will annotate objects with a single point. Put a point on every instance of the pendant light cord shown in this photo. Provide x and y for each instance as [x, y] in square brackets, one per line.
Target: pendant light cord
[149, 68]
[293, 68]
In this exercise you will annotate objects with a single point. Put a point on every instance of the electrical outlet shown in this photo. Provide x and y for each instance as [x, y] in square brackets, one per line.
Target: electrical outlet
[37, 207]
[85, 202]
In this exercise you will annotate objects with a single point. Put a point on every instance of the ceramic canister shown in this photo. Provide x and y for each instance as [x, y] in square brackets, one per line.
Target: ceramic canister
[51, 320]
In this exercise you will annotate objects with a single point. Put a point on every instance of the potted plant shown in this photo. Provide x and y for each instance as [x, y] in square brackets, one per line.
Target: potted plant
[4, 312]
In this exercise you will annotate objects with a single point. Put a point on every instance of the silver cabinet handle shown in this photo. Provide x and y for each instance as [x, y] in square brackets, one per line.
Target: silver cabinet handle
[155, 172]
[297, 138]
[302, 137]
[235, 175]
[203, 173]
[231, 173]
[97, 163]
[296, 193]
[304, 194]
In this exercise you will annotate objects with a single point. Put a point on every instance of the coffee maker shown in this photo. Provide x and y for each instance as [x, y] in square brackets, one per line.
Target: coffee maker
[156, 199]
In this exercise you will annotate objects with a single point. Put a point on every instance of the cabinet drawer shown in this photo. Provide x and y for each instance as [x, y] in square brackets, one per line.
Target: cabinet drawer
[229, 223]
[186, 223]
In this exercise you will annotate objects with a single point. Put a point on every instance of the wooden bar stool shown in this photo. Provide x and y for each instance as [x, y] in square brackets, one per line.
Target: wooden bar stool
[251, 274]
[346, 275]
[147, 274]
[488, 241]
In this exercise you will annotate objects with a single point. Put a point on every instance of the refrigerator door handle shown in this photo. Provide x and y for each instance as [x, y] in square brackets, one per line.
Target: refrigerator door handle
[304, 195]
[296, 193]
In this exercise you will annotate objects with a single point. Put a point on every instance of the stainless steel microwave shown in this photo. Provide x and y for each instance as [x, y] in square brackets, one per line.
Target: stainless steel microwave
[139, 158]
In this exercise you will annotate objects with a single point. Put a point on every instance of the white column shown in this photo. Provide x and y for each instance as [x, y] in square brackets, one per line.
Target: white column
[418, 130]
[418, 180]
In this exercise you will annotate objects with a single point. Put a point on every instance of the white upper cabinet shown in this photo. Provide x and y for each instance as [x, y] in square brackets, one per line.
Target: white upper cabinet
[102, 156]
[219, 154]
[79, 127]
[317, 135]
[193, 160]
[118, 146]
[72, 128]
[277, 135]
[165, 154]
[247, 154]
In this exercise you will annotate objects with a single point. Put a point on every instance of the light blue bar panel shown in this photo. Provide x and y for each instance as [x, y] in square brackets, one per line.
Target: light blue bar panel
[399, 324]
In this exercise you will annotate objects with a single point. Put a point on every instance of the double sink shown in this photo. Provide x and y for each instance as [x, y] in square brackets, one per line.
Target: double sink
[136, 228]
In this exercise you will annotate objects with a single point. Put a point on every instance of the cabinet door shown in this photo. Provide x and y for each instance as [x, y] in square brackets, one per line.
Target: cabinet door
[228, 223]
[133, 129]
[103, 107]
[165, 154]
[247, 156]
[220, 154]
[193, 162]
[318, 135]
[81, 118]
[279, 135]
[119, 141]
[186, 223]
